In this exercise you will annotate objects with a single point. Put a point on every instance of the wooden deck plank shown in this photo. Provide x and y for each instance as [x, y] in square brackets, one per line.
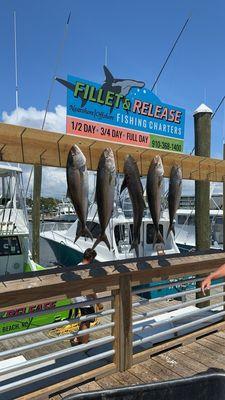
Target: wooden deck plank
[127, 378]
[89, 386]
[205, 356]
[178, 366]
[108, 382]
[144, 373]
[162, 372]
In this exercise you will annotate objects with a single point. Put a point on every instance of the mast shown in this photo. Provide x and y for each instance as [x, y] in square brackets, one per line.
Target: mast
[16, 63]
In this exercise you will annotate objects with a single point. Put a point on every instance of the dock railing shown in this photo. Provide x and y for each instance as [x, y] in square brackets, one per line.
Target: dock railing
[130, 327]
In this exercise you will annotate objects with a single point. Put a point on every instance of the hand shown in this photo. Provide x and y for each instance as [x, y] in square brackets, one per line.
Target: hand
[100, 306]
[206, 283]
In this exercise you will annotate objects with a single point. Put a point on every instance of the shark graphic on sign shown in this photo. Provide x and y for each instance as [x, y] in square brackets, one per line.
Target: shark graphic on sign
[111, 84]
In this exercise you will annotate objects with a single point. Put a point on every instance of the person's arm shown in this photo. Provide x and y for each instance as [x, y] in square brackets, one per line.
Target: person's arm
[99, 305]
[219, 273]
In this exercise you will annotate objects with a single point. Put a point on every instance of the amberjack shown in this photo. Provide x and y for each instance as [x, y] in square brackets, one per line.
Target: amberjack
[105, 189]
[133, 183]
[174, 195]
[77, 182]
[153, 188]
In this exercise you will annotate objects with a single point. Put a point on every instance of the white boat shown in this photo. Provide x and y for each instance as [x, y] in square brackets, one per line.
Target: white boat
[65, 211]
[185, 228]
[15, 256]
[119, 233]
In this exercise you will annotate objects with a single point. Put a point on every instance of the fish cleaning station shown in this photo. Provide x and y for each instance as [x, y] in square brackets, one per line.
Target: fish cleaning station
[134, 340]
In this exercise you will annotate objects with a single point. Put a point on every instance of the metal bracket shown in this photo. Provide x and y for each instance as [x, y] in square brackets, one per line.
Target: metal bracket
[89, 148]
[117, 160]
[141, 160]
[42, 155]
[59, 155]
[1, 152]
[21, 141]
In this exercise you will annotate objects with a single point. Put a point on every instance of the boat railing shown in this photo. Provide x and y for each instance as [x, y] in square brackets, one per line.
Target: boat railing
[129, 329]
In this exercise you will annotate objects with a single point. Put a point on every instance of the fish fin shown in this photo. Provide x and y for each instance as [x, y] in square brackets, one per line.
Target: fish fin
[157, 237]
[170, 229]
[83, 102]
[68, 194]
[123, 186]
[84, 232]
[69, 85]
[134, 245]
[102, 238]
[143, 203]
[108, 76]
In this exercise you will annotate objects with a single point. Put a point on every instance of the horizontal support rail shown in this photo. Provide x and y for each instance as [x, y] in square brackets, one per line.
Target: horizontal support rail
[178, 328]
[103, 277]
[57, 309]
[174, 307]
[177, 318]
[55, 371]
[58, 354]
[173, 296]
[57, 324]
[48, 342]
[27, 145]
[166, 285]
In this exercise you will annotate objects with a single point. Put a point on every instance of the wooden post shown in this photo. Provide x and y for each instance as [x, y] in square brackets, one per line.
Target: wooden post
[122, 331]
[36, 213]
[224, 219]
[202, 126]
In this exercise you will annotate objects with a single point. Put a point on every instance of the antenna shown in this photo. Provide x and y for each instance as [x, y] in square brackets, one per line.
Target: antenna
[58, 58]
[106, 56]
[16, 63]
[171, 51]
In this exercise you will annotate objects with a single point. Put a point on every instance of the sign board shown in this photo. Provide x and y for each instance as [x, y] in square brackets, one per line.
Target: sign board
[122, 110]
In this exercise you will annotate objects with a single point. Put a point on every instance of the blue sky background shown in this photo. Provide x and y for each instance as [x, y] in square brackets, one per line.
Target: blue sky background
[138, 35]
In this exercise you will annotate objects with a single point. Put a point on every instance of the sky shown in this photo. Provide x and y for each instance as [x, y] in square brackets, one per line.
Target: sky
[138, 36]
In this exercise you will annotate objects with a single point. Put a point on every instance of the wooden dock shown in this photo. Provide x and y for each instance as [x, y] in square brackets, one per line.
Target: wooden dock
[181, 362]
[127, 353]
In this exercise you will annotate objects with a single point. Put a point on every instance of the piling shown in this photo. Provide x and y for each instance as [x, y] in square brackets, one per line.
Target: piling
[224, 202]
[36, 213]
[202, 129]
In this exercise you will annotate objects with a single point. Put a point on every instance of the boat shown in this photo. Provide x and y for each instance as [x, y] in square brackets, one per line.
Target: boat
[65, 211]
[15, 256]
[185, 229]
[119, 233]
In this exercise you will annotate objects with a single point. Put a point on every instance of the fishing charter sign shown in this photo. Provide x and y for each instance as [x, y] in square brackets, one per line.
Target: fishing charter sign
[122, 110]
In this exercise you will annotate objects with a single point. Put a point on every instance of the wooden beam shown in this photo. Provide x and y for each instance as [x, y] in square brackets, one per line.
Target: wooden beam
[102, 277]
[34, 146]
[123, 324]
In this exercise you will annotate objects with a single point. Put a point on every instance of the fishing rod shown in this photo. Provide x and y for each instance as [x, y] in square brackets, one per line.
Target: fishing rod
[218, 107]
[58, 59]
[171, 51]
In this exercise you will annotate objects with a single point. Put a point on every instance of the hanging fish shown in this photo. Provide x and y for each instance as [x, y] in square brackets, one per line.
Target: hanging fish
[77, 182]
[174, 195]
[133, 183]
[153, 188]
[105, 188]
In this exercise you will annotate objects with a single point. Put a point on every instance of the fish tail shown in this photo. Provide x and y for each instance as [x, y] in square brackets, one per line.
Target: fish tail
[134, 245]
[157, 238]
[84, 232]
[101, 238]
[170, 229]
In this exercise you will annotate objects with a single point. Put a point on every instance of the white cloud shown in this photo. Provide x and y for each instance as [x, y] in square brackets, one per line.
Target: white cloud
[55, 121]
[53, 179]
